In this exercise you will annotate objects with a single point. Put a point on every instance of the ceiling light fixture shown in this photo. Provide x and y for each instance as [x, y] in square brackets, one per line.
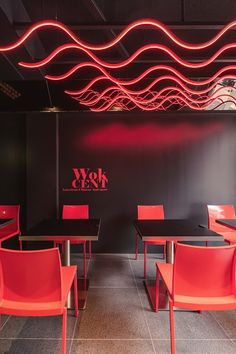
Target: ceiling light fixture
[178, 91]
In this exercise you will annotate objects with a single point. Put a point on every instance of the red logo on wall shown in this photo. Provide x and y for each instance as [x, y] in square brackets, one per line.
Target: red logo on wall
[87, 180]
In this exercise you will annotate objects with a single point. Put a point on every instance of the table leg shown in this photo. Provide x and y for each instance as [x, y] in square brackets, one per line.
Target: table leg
[150, 285]
[83, 283]
[170, 252]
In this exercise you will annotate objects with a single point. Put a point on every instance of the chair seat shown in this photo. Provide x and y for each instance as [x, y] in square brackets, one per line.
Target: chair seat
[195, 303]
[44, 308]
[206, 303]
[23, 308]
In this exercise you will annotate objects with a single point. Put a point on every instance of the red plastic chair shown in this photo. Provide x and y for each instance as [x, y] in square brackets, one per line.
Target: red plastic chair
[13, 229]
[149, 212]
[201, 278]
[222, 212]
[77, 212]
[33, 283]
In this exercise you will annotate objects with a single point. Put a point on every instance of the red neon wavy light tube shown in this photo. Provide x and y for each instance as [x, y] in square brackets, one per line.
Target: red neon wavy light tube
[129, 60]
[107, 76]
[107, 105]
[119, 37]
[121, 93]
[155, 96]
[146, 103]
[89, 64]
[164, 100]
[169, 78]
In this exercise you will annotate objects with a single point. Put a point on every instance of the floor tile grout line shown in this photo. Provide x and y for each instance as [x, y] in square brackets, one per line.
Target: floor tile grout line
[224, 330]
[73, 334]
[140, 299]
[155, 340]
[112, 287]
[122, 339]
[1, 328]
[33, 338]
[113, 339]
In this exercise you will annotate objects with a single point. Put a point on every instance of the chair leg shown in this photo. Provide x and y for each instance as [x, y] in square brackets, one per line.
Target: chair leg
[90, 249]
[172, 327]
[54, 244]
[157, 290]
[145, 261]
[206, 243]
[84, 257]
[64, 324]
[20, 243]
[136, 247]
[76, 296]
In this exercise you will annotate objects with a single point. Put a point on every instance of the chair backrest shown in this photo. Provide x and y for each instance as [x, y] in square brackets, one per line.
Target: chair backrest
[11, 211]
[219, 212]
[75, 211]
[204, 271]
[34, 276]
[150, 212]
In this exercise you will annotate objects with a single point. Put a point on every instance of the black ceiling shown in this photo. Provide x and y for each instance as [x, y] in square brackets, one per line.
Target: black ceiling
[98, 21]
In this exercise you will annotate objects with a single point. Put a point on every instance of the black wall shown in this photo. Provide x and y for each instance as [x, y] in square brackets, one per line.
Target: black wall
[13, 164]
[181, 160]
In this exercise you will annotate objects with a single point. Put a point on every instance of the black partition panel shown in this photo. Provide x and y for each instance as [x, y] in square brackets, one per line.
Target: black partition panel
[114, 162]
[13, 165]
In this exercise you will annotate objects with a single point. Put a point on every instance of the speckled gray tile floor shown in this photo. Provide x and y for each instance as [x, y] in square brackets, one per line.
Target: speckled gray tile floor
[118, 319]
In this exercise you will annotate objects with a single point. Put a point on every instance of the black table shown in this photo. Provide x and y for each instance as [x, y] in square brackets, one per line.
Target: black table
[171, 230]
[67, 230]
[230, 223]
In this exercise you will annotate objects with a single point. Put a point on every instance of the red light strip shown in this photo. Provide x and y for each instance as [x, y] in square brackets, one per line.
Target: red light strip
[107, 76]
[93, 100]
[129, 60]
[154, 107]
[119, 93]
[140, 23]
[155, 96]
[159, 96]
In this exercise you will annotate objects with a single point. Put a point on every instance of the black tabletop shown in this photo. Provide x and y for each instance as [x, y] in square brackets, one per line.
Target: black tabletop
[75, 229]
[230, 223]
[174, 230]
[4, 222]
